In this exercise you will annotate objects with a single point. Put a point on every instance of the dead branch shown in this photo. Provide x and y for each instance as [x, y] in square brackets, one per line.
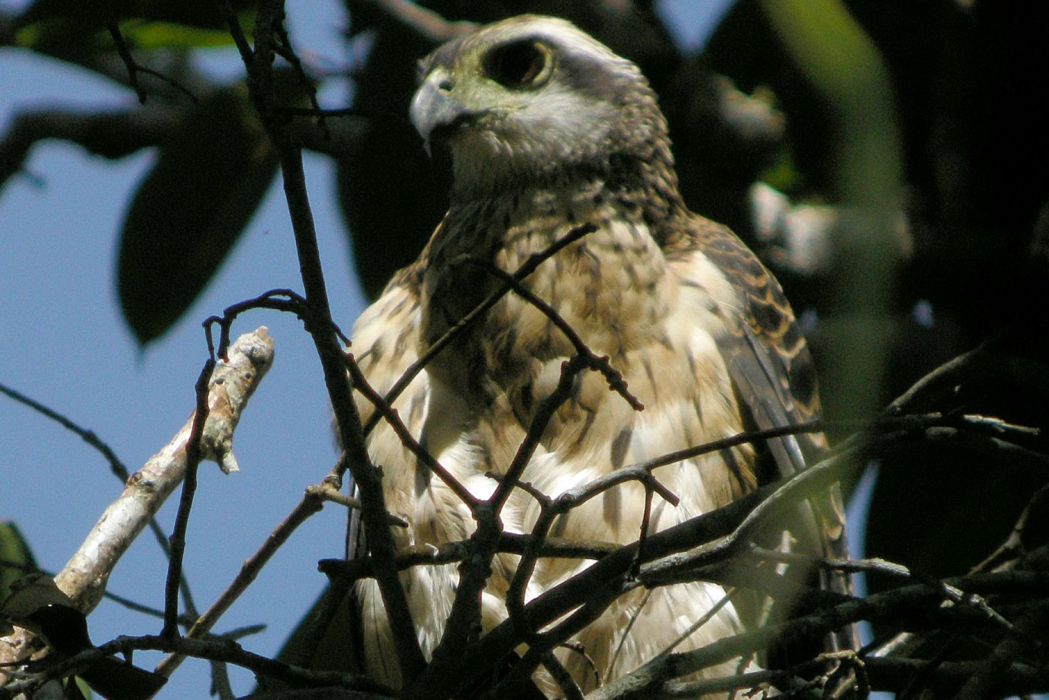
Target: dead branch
[308, 506]
[118, 469]
[600, 364]
[85, 575]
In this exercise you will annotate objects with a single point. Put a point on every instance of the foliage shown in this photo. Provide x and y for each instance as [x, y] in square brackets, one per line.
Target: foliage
[911, 181]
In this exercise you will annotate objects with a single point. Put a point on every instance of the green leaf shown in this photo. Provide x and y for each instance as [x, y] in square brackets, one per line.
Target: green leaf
[16, 557]
[209, 179]
[783, 174]
[147, 35]
[195, 13]
[61, 25]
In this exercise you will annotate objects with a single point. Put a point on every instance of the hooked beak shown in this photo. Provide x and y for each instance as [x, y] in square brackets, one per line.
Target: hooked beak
[436, 114]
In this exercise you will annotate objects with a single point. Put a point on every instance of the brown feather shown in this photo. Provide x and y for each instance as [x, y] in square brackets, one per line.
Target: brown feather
[697, 326]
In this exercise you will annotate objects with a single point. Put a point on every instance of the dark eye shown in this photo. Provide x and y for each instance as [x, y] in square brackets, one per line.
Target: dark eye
[520, 64]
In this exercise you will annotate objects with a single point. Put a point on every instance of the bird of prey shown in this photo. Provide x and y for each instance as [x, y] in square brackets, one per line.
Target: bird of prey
[547, 131]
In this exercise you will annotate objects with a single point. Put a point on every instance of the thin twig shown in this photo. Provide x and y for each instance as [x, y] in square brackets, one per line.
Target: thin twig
[921, 392]
[562, 677]
[596, 603]
[393, 419]
[134, 68]
[125, 55]
[880, 566]
[189, 487]
[515, 593]
[601, 364]
[235, 30]
[328, 492]
[527, 268]
[284, 49]
[452, 552]
[309, 505]
[646, 519]
[277, 299]
[226, 651]
[1013, 547]
[116, 466]
[423, 21]
[540, 420]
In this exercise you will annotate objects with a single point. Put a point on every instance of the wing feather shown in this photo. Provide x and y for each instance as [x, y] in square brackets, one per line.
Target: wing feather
[773, 374]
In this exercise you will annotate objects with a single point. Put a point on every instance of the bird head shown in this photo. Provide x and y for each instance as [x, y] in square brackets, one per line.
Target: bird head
[528, 99]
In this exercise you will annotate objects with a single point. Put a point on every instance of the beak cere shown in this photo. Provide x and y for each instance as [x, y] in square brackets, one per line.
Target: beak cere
[435, 113]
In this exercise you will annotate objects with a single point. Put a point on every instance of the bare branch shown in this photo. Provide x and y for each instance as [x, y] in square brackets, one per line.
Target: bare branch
[893, 605]
[309, 505]
[319, 324]
[562, 677]
[422, 21]
[922, 392]
[951, 594]
[194, 453]
[1013, 547]
[116, 466]
[125, 55]
[614, 378]
[226, 651]
[84, 577]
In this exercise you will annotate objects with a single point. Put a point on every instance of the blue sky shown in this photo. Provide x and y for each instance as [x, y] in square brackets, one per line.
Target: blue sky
[64, 343]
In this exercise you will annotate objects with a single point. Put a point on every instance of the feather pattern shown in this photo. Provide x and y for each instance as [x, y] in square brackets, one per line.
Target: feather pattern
[698, 328]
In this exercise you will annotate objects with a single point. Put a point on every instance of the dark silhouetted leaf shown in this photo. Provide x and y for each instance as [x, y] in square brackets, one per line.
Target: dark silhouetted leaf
[208, 181]
[336, 648]
[39, 605]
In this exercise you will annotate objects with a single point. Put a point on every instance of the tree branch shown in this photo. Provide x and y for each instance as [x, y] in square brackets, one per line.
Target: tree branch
[226, 651]
[108, 134]
[84, 577]
[322, 330]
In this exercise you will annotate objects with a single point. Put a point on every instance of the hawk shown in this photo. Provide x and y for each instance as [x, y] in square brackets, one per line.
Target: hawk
[548, 130]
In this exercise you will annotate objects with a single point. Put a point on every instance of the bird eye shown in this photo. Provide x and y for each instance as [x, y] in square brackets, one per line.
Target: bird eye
[518, 65]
